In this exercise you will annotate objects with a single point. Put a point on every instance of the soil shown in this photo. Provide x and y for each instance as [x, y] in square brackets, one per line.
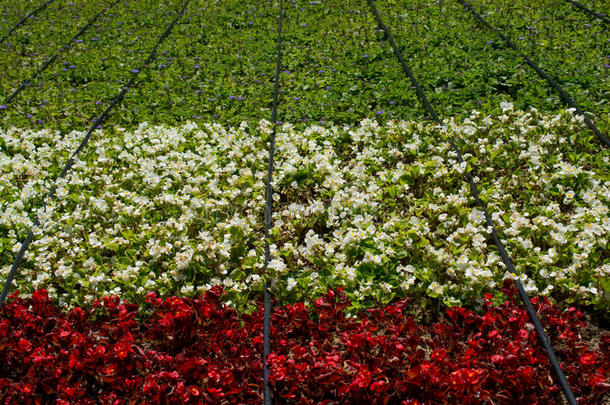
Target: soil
[592, 333]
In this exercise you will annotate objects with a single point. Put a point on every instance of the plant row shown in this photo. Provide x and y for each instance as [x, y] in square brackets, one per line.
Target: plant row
[467, 66]
[218, 63]
[87, 76]
[199, 351]
[12, 12]
[383, 210]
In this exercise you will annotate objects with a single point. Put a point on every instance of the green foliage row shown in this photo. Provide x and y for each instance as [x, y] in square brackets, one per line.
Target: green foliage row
[12, 12]
[218, 64]
[463, 66]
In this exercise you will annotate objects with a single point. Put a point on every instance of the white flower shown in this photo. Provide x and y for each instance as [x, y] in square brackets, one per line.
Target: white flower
[435, 287]
[549, 257]
[460, 167]
[469, 130]
[371, 258]
[312, 239]
[559, 237]
[187, 289]
[405, 269]
[462, 261]
[94, 241]
[592, 230]
[89, 264]
[184, 258]
[506, 106]
[386, 287]
[584, 244]
[405, 285]
[588, 196]
[350, 273]
[476, 216]
[530, 287]
[278, 265]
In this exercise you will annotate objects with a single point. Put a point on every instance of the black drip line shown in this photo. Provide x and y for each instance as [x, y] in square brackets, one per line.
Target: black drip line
[28, 240]
[268, 207]
[565, 96]
[45, 65]
[24, 19]
[589, 11]
[505, 257]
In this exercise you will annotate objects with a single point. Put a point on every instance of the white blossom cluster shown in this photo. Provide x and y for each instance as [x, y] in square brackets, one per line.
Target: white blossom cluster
[383, 210]
[548, 187]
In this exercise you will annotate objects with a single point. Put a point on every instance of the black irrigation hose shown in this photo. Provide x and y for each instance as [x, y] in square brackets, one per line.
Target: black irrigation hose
[98, 121]
[589, 11]
[268, 206]
[24, 19]
[475, 192]
[54, 57]
[565, 96]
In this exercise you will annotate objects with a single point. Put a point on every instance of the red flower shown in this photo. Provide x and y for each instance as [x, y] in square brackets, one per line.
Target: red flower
[109, 370]
[123, 349]
[216, 392]
[363, 379]
[588, 359]
[194, 391]
[439, 355]
[25, 345]
[65, 332]
[380, 386]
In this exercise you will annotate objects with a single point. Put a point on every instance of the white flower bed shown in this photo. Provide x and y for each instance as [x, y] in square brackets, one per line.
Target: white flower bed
[381, 210]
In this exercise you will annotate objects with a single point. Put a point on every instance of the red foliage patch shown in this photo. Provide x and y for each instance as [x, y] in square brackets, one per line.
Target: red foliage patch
[199, 351]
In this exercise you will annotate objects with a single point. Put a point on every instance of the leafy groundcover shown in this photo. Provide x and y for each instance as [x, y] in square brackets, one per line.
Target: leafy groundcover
[197, 350]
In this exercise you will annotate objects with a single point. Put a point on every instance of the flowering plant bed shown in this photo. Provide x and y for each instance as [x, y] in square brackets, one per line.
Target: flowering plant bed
[374, 231]
[381, 209]
[185, 350]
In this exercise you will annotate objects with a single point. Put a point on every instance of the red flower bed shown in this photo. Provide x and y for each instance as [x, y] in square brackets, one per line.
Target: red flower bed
[199, 351]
